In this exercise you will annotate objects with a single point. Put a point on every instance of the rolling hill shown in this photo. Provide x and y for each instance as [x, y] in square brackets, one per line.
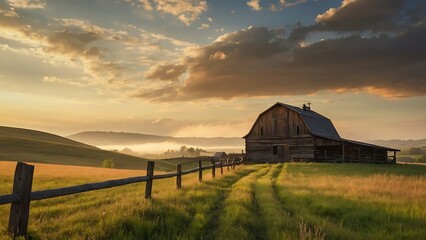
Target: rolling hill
[17, 144]
[401, 144]
[100, 138]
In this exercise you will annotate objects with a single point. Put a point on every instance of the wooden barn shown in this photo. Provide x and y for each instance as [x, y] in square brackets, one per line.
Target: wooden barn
[285, 133]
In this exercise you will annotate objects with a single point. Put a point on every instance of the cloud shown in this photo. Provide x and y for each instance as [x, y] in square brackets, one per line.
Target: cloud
[354, 15]
[255, 5]
[290, 3]
[73, 44]
[54, 79]
[111, 61]
[32, 4]
[187, 11]
[261, 62]
[165, 72]
[203, 26]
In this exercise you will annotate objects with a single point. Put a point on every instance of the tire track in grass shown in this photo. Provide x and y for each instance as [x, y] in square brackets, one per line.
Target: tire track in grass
[208, 210]
[272, 215]
[239, 218]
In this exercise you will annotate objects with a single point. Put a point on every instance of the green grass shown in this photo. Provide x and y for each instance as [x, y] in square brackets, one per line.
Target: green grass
[282, 201]
[356, 201]
[18, 144]
[123, 213]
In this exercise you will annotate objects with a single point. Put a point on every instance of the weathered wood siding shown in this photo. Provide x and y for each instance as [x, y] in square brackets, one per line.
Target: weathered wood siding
[261, 149]
[279, 122]
[276, 127]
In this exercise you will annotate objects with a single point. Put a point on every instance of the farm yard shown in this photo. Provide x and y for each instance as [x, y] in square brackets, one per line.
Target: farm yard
[264, 201]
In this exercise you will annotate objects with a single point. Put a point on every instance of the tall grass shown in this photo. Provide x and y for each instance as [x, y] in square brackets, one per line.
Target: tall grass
[356, 201]
[122, 212]
[283, 201]
[239, 218]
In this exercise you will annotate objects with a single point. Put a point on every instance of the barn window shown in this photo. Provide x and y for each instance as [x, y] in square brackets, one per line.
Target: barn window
[274, 150]
[297, 130]
[261, 131]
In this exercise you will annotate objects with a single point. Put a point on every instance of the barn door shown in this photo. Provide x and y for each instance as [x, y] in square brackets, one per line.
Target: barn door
[283, 153]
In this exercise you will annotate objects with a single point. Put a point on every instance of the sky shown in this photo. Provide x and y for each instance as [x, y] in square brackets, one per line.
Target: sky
[208, 68]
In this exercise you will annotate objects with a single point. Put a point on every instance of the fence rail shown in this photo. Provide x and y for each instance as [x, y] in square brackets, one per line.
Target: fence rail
[22, 195]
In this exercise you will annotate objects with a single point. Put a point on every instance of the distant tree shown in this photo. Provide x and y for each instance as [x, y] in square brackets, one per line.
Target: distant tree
[108, 163]
[415, 151]
[422, 159]
[183, 149]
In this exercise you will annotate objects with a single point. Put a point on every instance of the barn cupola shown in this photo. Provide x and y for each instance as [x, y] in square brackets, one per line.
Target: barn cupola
[307, 107]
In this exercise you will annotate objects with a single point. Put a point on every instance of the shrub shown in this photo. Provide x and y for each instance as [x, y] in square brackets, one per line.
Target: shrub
[108, 163]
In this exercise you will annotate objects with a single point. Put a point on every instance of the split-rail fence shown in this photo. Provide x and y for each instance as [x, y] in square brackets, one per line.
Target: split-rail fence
[22, 195]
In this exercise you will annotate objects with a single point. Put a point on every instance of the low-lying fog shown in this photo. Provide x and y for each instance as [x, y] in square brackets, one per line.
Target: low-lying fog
[159, 148]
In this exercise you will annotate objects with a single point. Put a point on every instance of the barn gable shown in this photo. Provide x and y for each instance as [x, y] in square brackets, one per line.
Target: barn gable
[317, 124]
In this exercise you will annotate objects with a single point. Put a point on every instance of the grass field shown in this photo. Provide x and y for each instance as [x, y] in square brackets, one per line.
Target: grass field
[282, 201]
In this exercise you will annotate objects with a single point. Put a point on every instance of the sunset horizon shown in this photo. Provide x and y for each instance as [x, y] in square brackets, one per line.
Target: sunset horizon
[208, 68]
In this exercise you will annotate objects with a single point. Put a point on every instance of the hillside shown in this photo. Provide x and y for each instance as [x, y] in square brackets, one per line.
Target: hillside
[100, 138]
[400, 144]
[17, 144]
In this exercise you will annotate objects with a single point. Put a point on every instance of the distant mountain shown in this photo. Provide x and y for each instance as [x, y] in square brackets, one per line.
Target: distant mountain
[400, 144]
[100, 138]
[17, 144]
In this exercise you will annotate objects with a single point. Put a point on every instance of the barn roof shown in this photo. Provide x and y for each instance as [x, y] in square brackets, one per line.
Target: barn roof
[317, 124]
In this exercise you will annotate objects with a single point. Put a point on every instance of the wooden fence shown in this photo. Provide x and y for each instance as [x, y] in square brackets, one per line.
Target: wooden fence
[22, 195]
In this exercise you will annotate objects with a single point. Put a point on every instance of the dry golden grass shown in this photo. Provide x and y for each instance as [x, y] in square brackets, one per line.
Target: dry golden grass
[356, 201]
[53, 170]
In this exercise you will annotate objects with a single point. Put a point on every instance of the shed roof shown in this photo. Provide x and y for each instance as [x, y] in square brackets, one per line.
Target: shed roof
[370, 145]
[220, 155]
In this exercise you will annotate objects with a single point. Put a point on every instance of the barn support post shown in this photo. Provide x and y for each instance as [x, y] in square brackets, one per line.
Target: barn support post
[227, 163]
[200, 171]
[325, 153]
[179, 176]
[233, 163]
[394, 156]
[20, 211]
[149, 174]
[221, 167]
[213, 169]
[343, 151]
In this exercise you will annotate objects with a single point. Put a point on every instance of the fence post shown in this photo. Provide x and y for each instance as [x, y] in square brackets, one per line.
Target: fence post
[20, 211]
[213, 169]
[233, 163]
[200, 171]
[149, 174]
[221, 167]
[179, 176]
